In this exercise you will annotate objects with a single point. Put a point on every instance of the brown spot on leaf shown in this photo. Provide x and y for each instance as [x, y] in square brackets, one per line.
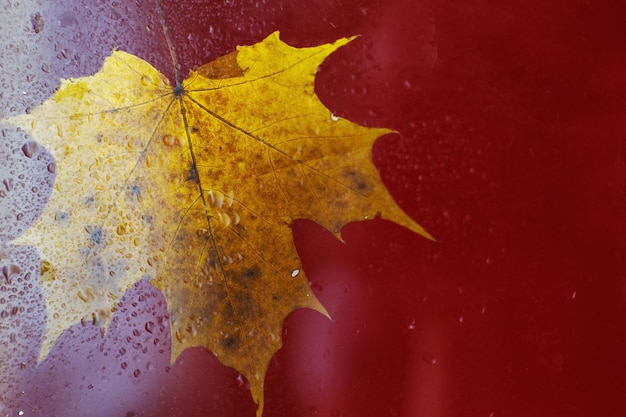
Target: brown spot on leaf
[357, 182]
[253, 273]
[231, 342]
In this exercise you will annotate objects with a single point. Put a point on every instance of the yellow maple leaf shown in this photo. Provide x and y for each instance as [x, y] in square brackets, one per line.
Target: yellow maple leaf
[194, 187]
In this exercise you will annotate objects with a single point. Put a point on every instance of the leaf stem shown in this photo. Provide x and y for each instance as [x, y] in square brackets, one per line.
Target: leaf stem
[178, 89]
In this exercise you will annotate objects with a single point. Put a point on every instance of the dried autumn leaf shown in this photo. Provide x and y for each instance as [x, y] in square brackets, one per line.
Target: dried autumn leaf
[194, 187]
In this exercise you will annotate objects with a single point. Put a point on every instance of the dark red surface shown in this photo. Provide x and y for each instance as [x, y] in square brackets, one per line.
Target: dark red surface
[511, 120]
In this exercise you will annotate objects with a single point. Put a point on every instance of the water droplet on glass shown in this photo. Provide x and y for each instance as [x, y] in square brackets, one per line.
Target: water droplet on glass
[149, 327]
[9, 270]
[8, 184]
[429, 358]
[37, 22]
[29, 149]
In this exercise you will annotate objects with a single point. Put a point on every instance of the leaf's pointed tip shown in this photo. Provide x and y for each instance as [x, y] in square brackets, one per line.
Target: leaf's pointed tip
[18, 121]
[315, 304]
[43, 353]
[29, 238]
[257, 390]
[349, 39]
[259, 407]
[415, 227]
[49, 339]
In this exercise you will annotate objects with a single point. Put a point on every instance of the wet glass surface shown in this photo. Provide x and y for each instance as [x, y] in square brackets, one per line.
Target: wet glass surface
[510, 151]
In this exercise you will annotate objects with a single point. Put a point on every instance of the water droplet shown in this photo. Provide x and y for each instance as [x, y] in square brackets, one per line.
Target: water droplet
[8, 184]
[52, 167]
[149, 327]
[168, 140]
[295, 273]
[29, 149]
[9, 270]
[224, 218]
[428, 357]
[412, 325]
[124, 365]
[90, 386]
[334, 118]
[37, 22]
[136, 373]
[82, 295]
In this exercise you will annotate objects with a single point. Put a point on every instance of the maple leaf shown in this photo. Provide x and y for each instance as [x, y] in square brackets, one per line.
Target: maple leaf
[194, 187]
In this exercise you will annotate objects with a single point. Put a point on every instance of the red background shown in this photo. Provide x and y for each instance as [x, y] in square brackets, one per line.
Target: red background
[511, 121]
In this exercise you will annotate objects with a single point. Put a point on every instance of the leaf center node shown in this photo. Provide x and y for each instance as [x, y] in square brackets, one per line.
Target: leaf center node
[178, 90]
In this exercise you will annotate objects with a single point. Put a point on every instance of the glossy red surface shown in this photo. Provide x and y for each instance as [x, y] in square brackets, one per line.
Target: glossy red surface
[510, 151]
